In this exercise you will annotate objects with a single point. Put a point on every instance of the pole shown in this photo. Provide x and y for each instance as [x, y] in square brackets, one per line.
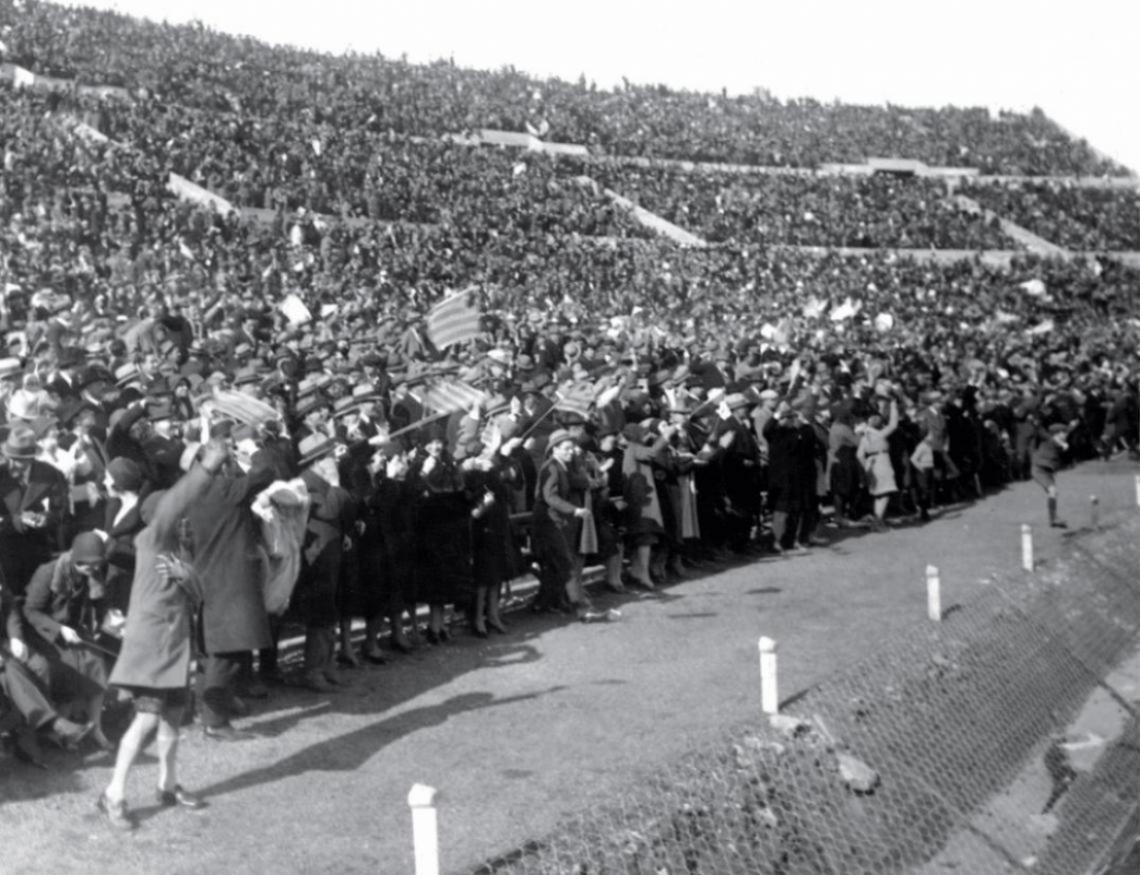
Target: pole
[1026, 547]
[769, 695]
[933, 594]
[1094, 512]
[420, 422]
[425, 829]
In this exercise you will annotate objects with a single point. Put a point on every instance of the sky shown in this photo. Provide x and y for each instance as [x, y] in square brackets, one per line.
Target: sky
[1076, 60]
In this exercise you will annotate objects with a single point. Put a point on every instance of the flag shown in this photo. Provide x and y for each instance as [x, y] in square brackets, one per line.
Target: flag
[576, 398]
[295, 310]
[454, 320]
[447, 395]
[244, 408]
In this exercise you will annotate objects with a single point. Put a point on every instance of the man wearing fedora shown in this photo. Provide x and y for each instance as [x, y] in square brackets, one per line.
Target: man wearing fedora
[33, 509]
[331, 517]
[234, 620]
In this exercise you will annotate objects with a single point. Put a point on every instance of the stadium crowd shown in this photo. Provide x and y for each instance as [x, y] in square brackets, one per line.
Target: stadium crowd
[216, 426]
[874, 212]
[194, 66]
[1072, 216]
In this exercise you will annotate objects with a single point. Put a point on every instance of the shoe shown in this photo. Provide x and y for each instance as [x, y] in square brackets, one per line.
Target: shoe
[401, 646]
[256, 689]
[348, 660]
[317, 682]
[178, 796]
[68, 734]
[237, 707]
[444, 635]
[272, 678]
[116, 813]
[619, 588]
[479, 631]
[225, 732]
[498, 626]
[375, 657]
[1059, 524]
[333, 678]
[25, 749]
[432, 637]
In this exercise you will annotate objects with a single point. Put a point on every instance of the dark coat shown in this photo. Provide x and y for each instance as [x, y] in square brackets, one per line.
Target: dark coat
[443, 535]
[792, 453]
[121, 553]
[492, 547]
[228, 561]
[22, 549]
[330, 519]
[387, 546]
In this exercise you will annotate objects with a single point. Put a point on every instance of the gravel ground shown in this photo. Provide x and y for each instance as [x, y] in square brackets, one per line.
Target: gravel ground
[522, 730]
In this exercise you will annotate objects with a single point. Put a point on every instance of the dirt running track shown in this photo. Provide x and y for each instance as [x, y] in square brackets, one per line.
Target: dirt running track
[517, 731]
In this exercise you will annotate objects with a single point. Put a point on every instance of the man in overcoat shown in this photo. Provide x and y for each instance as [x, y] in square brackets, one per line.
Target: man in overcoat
[33, 509]
[228, 563]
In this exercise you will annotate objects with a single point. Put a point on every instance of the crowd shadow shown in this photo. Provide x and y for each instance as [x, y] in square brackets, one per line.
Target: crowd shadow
[349, 751]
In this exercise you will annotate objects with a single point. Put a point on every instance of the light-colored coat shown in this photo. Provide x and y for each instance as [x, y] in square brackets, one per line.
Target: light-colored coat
[157, 648]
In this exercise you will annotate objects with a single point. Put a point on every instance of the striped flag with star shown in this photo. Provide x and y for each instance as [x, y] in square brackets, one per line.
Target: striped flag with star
[455, 319]
[576, 397]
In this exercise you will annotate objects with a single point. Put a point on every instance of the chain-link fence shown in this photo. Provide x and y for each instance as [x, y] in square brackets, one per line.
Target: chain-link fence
[944, 751]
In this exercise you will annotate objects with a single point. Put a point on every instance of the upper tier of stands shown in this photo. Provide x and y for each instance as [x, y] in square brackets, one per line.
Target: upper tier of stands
[196, 67]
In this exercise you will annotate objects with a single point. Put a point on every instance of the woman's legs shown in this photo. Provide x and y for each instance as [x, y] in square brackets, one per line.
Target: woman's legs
[881, 502]
[168, 749]
[479, 611]
[130, 746]
[493, 618]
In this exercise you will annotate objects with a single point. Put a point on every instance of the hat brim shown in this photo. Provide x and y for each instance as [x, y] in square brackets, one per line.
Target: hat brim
[316, 455]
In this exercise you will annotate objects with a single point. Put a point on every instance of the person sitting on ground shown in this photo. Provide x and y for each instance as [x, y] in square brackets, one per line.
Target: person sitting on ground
[53, 629]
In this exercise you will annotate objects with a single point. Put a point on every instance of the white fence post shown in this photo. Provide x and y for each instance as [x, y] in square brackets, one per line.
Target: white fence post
[769, 694]
[425, 829]
[933, 594]
[1138, 490]
[1026, 547]
[1094, 512]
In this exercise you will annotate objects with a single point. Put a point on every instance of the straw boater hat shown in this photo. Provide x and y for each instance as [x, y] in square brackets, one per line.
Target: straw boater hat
[313, 448]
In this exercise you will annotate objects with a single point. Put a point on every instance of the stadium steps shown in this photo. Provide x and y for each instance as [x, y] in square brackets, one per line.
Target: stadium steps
[1035, 244]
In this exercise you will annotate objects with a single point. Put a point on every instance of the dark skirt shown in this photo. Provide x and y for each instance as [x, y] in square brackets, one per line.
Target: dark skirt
[443, 556]
[846, 475]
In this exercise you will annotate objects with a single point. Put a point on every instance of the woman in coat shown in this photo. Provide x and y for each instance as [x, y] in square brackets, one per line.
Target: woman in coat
[123, 481]
[387, 551]
[443, 556]
[875, 456]
[490, 476]
[844, 475]
[154, 663]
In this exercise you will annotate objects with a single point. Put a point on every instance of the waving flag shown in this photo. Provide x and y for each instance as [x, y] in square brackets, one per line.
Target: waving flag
[454, 320]
[447, 394]
[576, 398]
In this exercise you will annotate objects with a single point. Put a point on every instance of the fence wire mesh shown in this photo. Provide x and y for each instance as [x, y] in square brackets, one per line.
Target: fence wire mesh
[944, 751]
